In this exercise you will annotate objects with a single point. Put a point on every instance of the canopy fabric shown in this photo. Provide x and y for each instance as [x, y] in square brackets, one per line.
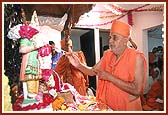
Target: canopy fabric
[74, 11]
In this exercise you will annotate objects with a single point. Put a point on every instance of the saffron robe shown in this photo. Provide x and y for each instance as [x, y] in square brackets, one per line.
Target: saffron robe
[69, 74]
[124, 69]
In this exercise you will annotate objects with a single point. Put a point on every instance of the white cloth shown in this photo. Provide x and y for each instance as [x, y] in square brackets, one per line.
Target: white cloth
[25, 91]
[55, 23]
[89, 92]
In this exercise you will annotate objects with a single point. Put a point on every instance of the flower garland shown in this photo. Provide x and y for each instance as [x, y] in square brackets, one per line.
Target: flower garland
[27, 31]
[124, 12]
[159, 8]
[100, 24]
[119, 9]
[82, 103]
[111, 16]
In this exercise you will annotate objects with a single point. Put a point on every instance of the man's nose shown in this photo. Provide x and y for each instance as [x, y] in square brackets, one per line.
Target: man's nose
[111, 41]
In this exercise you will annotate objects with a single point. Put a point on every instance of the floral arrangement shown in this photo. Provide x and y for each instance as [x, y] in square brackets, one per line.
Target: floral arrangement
[27, 31]
[57, 103]
[7, 97]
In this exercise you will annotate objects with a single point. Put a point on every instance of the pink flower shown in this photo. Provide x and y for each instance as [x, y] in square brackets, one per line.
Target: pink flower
[47, 98]
[66, 87]
[39, 96]
[46, 73]
[27, 31]
[45, 50]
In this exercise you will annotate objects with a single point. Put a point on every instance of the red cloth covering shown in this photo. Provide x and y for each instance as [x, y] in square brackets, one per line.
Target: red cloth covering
[57, 82]
[47, 99]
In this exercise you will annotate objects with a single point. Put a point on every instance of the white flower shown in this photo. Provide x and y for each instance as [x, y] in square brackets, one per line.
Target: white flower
[14, 32]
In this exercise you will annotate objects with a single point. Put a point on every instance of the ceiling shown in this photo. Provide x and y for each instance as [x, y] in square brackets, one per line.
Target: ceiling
[101, 15]
[76, 10]
[112, 8]
[155, 32]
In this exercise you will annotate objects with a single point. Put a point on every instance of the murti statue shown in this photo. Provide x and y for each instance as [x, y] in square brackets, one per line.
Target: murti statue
[29, 72]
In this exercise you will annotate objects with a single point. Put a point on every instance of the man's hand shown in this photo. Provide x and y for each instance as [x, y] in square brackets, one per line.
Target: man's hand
[104, 75]
[73, 59]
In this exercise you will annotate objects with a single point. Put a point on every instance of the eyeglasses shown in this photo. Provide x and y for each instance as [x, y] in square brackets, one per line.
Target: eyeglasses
[114, 37]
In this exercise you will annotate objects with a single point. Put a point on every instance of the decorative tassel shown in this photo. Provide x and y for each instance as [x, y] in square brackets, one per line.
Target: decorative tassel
[133, 43]
[130, 20]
